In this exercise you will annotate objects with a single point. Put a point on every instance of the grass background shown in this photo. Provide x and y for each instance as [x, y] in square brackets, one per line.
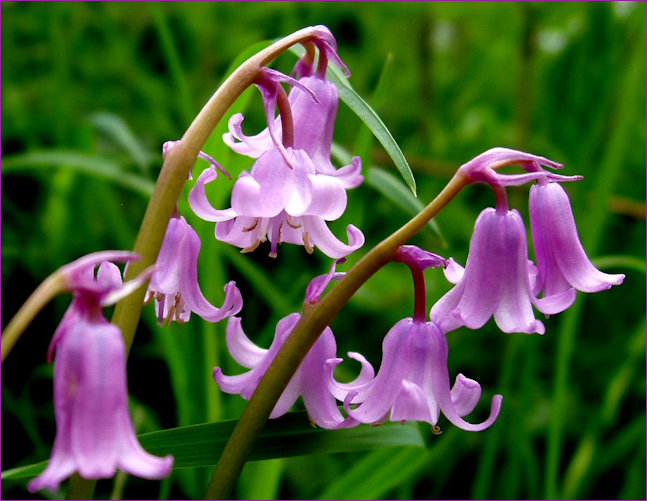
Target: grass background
[90, 91]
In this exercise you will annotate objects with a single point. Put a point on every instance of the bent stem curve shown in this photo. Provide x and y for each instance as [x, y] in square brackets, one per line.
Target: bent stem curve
[313, 321]
[44, 293]
[176, 168]
[174, 173]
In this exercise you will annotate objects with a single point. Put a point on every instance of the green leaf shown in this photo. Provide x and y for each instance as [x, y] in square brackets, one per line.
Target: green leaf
[114, 127]
[395, 190]
[376, 474]
[372, 120]
[94, 165]
[292, 435]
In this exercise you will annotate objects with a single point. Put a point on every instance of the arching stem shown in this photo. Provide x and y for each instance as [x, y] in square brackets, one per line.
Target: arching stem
[313, 321]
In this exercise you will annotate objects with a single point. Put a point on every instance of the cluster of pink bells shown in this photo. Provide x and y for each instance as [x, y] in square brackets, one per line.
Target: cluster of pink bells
[291, 192]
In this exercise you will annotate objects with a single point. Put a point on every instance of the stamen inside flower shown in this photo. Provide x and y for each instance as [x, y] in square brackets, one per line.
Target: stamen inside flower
[306, 243]
[251, 248]
[296, 226]
[250, 228]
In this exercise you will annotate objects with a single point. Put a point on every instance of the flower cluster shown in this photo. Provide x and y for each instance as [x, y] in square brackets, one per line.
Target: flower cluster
[412, 384]
[289, 195]
[499, 280]
[94, 432]
[293, 188]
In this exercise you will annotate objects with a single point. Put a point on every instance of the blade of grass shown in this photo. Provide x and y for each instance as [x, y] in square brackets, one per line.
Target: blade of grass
[591, 228]
[291, 435]
[94, 165]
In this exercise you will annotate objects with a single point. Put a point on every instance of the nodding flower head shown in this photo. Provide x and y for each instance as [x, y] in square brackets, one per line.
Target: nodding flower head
[94, 432]
[562, 263]
[495, 281]
[282, 202]
[293, 188]
[174, 284]
[310, 381]
[413, 382]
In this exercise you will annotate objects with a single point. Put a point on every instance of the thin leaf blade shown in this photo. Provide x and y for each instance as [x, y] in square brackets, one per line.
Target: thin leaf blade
[292, 435]
[372, 120]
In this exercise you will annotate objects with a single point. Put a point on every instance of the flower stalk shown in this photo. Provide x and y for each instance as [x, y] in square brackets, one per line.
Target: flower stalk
[44, 293]
[177, 165]
[314, 320]
[175, 170]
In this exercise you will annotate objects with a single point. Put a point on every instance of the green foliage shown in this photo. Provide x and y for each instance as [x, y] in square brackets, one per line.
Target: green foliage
[90, 92]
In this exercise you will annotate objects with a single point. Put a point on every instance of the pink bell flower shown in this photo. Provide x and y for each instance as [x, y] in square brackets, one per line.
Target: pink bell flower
[562, 263]
[279, 202]
[413, 382]
[311, 380]
[94, 431]
[496, 279]
[174, 284]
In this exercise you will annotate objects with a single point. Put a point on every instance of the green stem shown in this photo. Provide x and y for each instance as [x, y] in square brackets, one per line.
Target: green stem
[305, 333]
[175, 171]
[44, 293]
[176, 168]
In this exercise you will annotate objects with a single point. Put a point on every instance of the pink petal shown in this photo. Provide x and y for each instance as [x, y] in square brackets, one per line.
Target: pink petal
[251, 146]
[241, 349]
[323, 238]
[328, 198]
[465, 394]
[441, 385]
[201, 205]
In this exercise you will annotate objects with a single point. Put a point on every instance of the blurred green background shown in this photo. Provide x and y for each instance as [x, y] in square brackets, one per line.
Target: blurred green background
[90, 91]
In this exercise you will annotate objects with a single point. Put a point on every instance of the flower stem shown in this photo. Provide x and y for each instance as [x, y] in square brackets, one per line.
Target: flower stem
[305, 333]
[420, 293]
[176, 168]
[174, 173]
[44, 293]
[80, 488]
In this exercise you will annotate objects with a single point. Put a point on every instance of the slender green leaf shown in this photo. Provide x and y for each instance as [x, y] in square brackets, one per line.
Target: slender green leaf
[291, 435]
[117, 130]
[372, 120]
[94, 165]
[364, 141]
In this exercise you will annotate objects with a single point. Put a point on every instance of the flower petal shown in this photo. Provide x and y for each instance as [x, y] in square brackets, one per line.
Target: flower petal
[251, 146]
[441, 385]
[551, 214]
[241, 349]
[465, 394]
[411, 404]
[323, 238]
[453, 271]
[341, 390]
[201, 205]
[514, 311]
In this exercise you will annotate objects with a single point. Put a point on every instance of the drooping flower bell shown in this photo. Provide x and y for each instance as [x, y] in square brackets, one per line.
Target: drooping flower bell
[282, 203]
[94, 431]
[174, 284]
[314, 103]
[562, 263]
[311, 380]
[293, 188]
[495, 281]
[413, 381]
